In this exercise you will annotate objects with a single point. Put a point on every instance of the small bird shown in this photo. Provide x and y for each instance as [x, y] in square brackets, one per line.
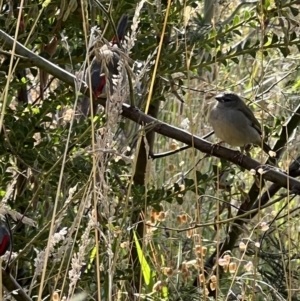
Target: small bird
[104, 68]
[4, 239]
[235, 123]
[98, 77]
[111, 57]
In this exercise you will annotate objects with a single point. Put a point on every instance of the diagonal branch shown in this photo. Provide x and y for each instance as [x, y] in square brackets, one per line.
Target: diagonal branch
[12, 286]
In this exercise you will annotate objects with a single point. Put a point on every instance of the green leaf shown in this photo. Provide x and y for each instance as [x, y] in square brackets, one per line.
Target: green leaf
[148, 274]
[213, 33]
[235, 60]
[179, 200]
[224, 62]
[34, 72]
[238, 32]
[293, 36]
[266, 3]
[236, 20]
[294, 11]
[285, 51]
[265, 53]
[274, 39]
[200, 176]
[246, 15]
[188, 182]
[36, 110]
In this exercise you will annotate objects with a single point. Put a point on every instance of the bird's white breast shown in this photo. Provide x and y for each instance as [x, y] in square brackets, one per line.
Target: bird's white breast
[233, 127]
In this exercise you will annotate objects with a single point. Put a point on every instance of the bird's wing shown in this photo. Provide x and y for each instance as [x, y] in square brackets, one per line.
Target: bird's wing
[249, 114]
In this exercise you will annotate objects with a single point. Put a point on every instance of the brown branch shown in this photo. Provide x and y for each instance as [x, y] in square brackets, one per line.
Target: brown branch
[12, 286]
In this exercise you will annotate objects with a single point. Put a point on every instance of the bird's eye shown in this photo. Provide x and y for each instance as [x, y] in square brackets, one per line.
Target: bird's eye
[226, 99]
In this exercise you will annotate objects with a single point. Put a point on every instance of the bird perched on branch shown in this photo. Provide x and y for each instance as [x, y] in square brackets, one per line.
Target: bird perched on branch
[106, 64]
[235, 123]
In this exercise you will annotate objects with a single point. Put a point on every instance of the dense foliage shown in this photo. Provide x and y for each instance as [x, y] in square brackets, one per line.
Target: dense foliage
[92, 195]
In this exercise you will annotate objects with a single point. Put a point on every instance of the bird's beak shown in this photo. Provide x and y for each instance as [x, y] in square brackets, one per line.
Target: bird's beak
[219, 97]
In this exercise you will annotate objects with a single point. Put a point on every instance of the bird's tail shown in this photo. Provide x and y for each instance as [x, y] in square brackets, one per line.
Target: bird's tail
[121, 29]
